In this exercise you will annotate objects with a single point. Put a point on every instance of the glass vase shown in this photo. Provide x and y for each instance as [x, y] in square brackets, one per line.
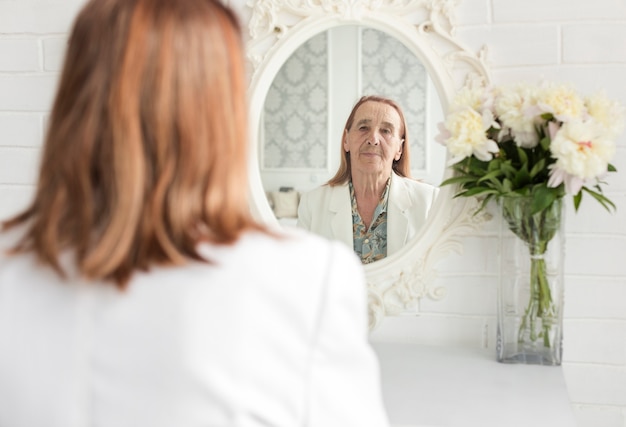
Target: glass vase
[530, 291]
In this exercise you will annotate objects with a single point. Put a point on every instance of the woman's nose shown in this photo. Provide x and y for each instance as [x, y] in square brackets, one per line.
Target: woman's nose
[373, 139]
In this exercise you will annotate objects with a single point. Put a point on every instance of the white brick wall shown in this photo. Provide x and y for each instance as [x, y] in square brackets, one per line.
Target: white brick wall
[37, 16]
[579, 41]
[20, 55]
[556, 11]
[32, 42]
[20, 130]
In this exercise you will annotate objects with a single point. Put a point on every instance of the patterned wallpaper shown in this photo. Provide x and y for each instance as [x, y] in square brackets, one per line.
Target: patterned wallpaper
[391, 70]
[295, 114]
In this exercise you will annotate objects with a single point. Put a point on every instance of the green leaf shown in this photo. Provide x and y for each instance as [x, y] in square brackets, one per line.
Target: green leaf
[478, 190]
[507, 186]
[542, 198]
[495, 184]
[520, 192]
[458, 180]
[539, 167]
[489, 176]
[611, 168]
[597, 186]
[522, 177]
[577, 199]
[604, 201]
[474, 163]
[494, 164]
[523, 157]
[545, 143]
[478, 168]
[508, 169]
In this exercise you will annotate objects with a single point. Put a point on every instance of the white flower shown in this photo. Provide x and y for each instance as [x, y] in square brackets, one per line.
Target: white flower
[608, 113]
[579, 137]
[581, 152]
[465, 134]
[515, 107]
[477, 98]
[572, 183]
[562, 101]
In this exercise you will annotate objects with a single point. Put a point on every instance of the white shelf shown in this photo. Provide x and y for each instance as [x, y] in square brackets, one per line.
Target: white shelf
[428, 386]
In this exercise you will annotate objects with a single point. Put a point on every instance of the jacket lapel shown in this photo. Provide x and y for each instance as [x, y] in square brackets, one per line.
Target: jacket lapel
[397, 215]
[340, 213]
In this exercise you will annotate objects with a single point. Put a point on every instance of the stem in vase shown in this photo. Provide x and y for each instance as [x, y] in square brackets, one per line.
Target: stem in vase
[540, 304]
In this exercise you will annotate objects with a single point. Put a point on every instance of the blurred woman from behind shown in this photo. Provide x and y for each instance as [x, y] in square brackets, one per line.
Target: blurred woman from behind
[137, 289]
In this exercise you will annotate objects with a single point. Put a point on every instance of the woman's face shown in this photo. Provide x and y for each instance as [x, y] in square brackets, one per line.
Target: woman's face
[373, 140]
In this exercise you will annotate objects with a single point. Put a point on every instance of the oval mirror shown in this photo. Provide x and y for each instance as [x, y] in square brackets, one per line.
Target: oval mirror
[278, 28]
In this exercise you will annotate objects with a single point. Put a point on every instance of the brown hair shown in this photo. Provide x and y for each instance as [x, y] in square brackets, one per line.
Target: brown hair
[401, 166]
[146, 151]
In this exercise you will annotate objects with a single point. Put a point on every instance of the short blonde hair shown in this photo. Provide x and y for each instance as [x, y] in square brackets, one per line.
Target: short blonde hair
[146, 151]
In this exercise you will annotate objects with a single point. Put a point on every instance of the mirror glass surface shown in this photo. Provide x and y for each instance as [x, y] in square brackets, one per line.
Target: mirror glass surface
[312, 94]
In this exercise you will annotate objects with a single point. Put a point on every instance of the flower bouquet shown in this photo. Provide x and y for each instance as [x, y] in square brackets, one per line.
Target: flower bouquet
[527, 146]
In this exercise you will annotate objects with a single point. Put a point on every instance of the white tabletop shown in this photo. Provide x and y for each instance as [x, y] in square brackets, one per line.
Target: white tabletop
[425, 386]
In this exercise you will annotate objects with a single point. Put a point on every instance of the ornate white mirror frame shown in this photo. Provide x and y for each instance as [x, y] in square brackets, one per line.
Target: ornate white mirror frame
[277, 27]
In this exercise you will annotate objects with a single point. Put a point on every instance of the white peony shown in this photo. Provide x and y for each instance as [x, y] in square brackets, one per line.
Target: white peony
[515, 108]
[580, 135]
[477, 98]
[466, 135]
[608, 113]
[581, 152]
[562, 101]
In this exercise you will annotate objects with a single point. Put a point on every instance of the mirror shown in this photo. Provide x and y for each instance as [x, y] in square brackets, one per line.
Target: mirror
[278, 28]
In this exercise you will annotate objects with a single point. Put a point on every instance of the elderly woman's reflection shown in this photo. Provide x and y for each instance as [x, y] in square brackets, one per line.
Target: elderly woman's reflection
[371, 203]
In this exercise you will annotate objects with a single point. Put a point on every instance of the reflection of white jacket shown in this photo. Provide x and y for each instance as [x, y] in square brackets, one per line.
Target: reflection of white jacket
[274, 332]
[327, 211]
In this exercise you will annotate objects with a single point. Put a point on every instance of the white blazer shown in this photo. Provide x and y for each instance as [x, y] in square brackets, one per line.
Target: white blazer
[273, 333]
[327, 211]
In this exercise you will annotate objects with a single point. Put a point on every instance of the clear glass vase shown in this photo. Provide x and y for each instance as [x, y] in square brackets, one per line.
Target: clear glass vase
[530, 292]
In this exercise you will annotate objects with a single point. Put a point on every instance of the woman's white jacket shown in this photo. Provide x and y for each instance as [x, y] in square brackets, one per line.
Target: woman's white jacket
[273, 332]
[327, 211]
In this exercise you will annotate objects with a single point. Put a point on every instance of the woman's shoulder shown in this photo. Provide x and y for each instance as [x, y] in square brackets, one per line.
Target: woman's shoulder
[318, 194]
[292, 242]
[326, 188]
[294, 262]
[288, 245]
[417, 185]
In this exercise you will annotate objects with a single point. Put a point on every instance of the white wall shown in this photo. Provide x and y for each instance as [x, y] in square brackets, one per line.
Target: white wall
[580, 41]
